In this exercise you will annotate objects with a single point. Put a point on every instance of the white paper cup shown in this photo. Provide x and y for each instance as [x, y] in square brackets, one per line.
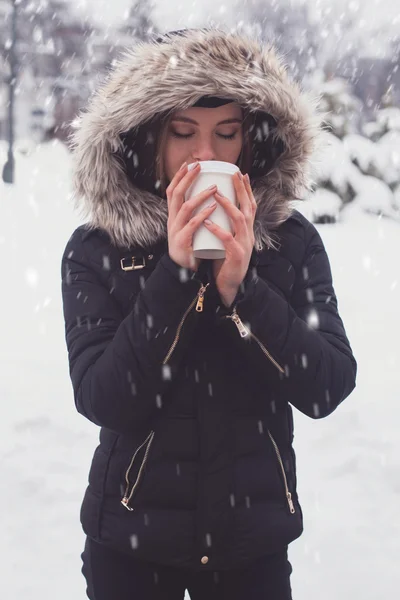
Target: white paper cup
[205, 243]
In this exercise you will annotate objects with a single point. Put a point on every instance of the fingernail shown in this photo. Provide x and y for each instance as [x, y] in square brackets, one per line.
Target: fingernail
[240, 176]
[207, 222]
[183, 166]
[213, 203]
[212, 187]
[247, 178]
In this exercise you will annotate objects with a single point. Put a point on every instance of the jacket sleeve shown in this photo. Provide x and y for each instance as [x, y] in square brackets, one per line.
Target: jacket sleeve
[120, 367]
[300, 349]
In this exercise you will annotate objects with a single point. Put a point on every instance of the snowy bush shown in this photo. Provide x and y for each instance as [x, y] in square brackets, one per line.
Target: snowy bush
[388, 157]
[336, 172]
[385, 132]
[321, 206]
[388, 118]
[374, 196]
[343, 108]
[22, 147]
[362, 152]
[396, 200]
[361, 161]
[381, 159]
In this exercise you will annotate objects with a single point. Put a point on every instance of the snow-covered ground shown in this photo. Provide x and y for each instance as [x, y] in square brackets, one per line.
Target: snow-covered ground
[348, 464]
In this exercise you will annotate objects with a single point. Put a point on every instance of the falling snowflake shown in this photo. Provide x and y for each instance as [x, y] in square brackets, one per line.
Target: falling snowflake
[183, 275]
[134, 542]
[310, 295]
[166, 373]
[313, 319]
[106, 263]
[31, 277]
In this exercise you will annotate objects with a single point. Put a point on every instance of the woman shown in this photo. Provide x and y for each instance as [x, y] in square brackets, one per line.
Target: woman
[190, 367]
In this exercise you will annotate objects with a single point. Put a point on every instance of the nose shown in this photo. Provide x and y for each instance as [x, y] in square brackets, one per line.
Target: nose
[204, 150]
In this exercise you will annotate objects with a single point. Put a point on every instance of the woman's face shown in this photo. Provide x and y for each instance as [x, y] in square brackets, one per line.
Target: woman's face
[199, 133]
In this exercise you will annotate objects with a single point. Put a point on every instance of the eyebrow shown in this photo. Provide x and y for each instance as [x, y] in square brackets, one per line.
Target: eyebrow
[187, 120]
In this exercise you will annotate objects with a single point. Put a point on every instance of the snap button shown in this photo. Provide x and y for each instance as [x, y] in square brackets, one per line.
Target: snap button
[204, 560]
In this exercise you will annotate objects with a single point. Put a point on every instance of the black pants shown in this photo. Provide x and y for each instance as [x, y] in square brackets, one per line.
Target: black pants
[111, 575]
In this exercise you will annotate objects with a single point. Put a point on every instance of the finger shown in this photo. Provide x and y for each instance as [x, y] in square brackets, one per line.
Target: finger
[237, 216]
[253, 202]
[242, 195]
[197, 220]
[181, 172]
[188, 207]
[186, 181]
[175, 194]
[179, 175]
[229, 242]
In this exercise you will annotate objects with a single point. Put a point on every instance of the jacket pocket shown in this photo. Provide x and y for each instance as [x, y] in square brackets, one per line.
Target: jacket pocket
[132, 486]
[282, 469]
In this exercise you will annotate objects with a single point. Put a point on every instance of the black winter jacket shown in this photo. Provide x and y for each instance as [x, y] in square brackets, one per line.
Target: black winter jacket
[195, 466]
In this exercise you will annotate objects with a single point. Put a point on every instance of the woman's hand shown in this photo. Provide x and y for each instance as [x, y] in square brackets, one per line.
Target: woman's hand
[181, 224]
[230, 271]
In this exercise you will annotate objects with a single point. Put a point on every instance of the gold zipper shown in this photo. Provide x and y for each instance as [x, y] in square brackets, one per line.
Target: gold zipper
[244, 332]
[200, 296]
[126, 499]
[199, 301]
[288, 494]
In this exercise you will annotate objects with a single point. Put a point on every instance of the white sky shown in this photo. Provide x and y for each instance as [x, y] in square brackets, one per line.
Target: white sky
[172, 14]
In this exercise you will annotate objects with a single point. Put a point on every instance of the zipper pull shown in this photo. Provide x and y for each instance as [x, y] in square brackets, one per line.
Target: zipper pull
[290, 502]
[200, 300]
[124, 502]
[244, 332]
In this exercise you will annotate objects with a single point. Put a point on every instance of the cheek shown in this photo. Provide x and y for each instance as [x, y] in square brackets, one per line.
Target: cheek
[231, 151]
[175, 154]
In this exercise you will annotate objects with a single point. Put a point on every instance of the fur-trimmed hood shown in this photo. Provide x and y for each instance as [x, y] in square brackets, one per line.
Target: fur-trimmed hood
[172, 73]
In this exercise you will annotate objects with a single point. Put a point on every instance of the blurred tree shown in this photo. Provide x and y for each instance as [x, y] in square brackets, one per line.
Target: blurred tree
[51, 62]
[138, 22]
[287, 24]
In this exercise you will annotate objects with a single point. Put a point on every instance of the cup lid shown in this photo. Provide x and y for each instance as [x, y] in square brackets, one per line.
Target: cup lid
[215, 166]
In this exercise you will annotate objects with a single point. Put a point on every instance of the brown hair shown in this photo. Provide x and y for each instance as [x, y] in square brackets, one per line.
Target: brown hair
[244, 161]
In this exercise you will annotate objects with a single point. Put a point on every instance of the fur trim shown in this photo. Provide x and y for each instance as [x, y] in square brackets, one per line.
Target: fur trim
[152, 78]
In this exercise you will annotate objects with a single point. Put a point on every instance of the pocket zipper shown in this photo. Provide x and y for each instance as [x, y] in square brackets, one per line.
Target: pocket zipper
[199, 301]
[244, 332]
[126, 499]
[278, 455]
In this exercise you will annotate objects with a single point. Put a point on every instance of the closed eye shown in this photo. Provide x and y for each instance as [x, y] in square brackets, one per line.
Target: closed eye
[188, 135]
